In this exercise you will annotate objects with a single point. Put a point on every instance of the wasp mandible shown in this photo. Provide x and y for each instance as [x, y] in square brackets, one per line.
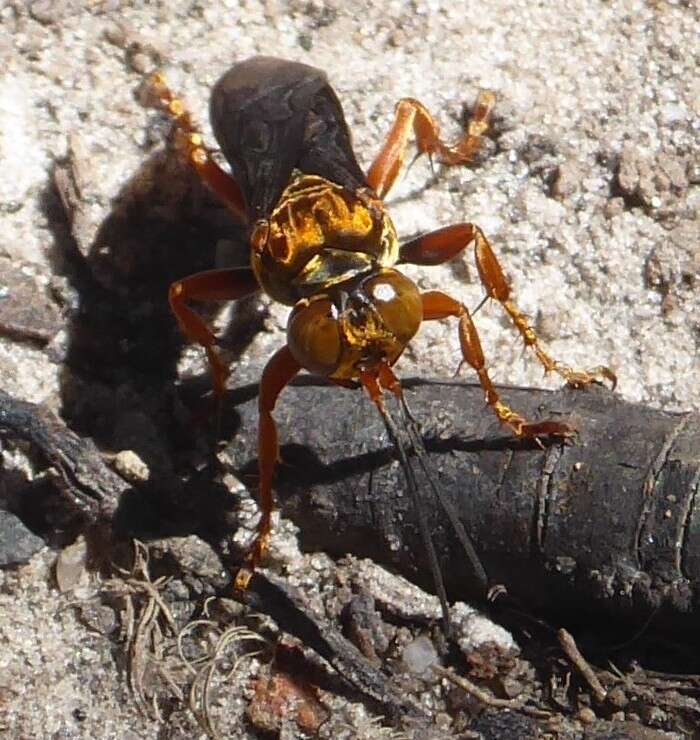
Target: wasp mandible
[321, 241]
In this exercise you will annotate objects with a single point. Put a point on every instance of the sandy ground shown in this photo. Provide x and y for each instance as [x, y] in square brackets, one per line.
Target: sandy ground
[589, 194]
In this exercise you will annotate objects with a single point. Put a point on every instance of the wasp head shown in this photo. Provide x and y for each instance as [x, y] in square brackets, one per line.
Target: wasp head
[356, 325]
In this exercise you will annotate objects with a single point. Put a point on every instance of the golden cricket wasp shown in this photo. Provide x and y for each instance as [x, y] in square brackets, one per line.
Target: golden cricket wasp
[321, 241]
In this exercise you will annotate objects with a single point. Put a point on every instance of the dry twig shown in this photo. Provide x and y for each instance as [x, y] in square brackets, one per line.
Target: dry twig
[484, 697]
[568, 645]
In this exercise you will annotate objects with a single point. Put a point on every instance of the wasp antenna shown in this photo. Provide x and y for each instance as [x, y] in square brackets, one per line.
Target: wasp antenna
[480, 305]
[409, 474]
[477, 568]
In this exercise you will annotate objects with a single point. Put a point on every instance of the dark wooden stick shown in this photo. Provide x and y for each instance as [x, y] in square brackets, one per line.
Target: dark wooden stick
[273, 596]
[608, 525]
[80, 473]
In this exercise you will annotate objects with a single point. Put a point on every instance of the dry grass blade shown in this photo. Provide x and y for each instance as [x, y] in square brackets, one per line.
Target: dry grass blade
[200, 690]
[145, 611]
[185, 632]
[155, 644]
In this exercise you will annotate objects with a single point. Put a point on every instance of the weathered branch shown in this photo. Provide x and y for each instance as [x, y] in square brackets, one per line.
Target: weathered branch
[80, 473]
[273, 596]
[608, 525]
[95, 491]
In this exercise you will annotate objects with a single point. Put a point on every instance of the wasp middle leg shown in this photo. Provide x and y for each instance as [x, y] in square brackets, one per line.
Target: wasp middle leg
[211, 285]
[442, 245]
[438, 305]
[412, 116]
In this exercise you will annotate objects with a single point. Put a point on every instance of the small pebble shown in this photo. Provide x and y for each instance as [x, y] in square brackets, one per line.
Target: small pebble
[70, 565]
[586, 715]
[419, 655]
[130, 466]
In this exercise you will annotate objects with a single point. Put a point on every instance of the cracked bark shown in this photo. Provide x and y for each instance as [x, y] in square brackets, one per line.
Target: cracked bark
[606, 527]
[77, 468]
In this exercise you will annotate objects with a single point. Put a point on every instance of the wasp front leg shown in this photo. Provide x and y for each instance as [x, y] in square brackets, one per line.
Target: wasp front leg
[413, 117]
[278, 372]
[212, 285]
[438, 305]
[190, 146]
[442, 245]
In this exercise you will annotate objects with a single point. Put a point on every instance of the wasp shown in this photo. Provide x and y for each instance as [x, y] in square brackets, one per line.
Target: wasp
[322, 241]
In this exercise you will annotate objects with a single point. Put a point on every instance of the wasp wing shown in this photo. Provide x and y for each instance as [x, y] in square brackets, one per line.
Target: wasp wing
[270, 117]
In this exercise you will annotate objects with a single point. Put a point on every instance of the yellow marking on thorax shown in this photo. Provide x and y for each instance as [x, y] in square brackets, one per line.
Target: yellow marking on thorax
[314, 214]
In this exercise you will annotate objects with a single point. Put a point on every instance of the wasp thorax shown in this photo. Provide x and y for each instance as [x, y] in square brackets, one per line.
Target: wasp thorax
[355, 326]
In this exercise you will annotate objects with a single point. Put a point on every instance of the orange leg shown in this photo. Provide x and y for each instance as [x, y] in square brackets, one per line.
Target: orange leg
[212, 285]
[438, 305]
[280, 369]
[412, 116]
[442, 245]
[189, 144]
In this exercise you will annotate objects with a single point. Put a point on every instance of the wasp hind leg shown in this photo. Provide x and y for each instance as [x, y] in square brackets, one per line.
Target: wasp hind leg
[190, 146]
[413, 117]
[442, 245]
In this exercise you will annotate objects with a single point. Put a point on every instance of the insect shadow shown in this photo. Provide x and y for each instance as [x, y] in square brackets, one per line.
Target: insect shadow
[120, 380]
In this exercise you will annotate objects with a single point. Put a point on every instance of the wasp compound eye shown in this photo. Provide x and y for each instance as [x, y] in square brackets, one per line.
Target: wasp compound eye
[313, 335]
[398, 303]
